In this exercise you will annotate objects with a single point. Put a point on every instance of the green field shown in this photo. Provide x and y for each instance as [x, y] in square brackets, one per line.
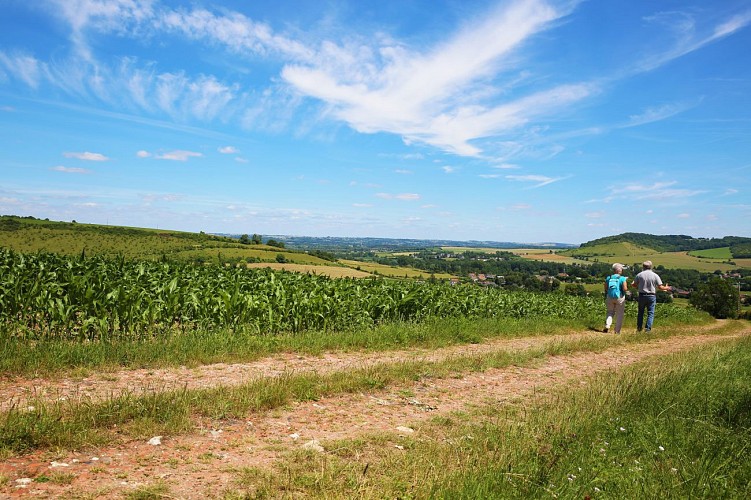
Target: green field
[629, 254]
[626, 253]
[713, 253]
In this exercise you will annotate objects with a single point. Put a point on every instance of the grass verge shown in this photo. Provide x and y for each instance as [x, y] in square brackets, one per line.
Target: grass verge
[50, 358]
[677, 428]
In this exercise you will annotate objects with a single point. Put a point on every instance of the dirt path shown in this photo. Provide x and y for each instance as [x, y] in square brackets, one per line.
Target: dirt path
[21, 392]
[200, 465]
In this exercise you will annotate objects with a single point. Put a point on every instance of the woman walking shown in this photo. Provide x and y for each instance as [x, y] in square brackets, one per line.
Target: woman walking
[615, 298]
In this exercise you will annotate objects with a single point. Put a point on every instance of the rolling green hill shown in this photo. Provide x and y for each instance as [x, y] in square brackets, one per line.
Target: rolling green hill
[671, 252]
[740, 247]
[30, 235]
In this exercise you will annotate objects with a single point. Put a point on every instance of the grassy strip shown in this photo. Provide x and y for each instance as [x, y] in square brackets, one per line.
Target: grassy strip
[73, 424]
[680, 428]
[46, 358]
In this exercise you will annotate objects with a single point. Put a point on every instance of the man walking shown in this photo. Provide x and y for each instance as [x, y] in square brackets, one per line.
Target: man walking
[648, 282]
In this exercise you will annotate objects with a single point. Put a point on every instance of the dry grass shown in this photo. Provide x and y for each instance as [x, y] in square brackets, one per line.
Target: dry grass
[330, 271]
[390, 271]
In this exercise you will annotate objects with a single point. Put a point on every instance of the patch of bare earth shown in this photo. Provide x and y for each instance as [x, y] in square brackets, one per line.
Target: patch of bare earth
[199, 465]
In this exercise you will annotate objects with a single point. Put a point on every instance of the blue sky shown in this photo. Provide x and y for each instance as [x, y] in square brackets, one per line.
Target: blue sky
[524, 121]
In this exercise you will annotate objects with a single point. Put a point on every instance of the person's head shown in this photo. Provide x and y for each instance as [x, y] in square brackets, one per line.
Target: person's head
[617, 268]
[647, 264]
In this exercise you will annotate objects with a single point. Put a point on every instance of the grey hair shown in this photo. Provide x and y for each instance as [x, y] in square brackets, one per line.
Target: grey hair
[618, 268]
[647, 264]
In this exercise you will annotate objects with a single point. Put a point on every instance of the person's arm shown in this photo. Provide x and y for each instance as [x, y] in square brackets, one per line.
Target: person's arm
[624, 288]
[663, 286]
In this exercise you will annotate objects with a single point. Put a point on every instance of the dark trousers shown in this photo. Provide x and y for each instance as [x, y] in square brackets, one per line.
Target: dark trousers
[646, 302]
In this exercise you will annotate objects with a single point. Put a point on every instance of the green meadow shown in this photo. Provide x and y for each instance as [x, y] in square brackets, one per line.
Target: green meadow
[628, 253]
[713, 253]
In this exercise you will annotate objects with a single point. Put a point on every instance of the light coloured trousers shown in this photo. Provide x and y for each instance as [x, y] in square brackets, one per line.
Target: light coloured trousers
[616, 307]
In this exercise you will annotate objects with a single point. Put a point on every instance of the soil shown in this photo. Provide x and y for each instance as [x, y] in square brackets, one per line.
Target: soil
[200, 464]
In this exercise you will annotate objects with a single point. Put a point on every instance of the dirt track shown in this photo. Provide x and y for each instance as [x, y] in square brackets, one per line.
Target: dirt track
[181, 462]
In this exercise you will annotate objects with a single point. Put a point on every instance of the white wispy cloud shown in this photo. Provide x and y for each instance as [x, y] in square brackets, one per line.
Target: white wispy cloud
[433, 96]
[233, 30]
[178, 155]
[537, 180]
[149, 198]
[22, 66]
[70, 170]
[400, 196]
[402, 171]
[143, 154]
[448, 169]
[688, 35]
[658, 191]
[520, 206]
[655, 114]
[228, 150]
[119, 16]
[86, 156]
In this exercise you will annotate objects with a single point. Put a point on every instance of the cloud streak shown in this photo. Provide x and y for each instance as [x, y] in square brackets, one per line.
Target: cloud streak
[86, 156]
[70, 170]
[537, 180]
[178, 155]
[400, 196]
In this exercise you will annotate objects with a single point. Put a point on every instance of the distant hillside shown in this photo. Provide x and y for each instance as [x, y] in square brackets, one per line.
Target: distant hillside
[397, 244]
[30, 235]
[740, 247]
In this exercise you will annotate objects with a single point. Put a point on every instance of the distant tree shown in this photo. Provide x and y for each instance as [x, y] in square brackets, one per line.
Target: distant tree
[256, 239]
[281, 258]
[244, 239]
[718, 297]
[274, 243]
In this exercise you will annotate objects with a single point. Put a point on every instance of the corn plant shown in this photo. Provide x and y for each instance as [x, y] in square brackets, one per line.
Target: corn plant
[95, 298]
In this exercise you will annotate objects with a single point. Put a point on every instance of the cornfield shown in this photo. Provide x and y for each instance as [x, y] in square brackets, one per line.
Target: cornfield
[50, 296]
